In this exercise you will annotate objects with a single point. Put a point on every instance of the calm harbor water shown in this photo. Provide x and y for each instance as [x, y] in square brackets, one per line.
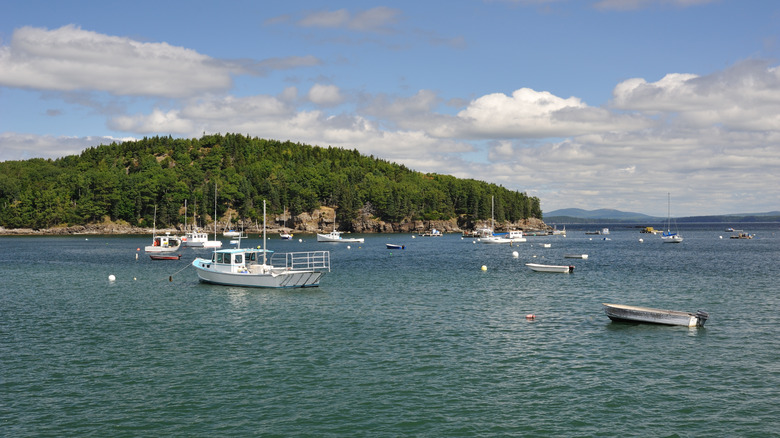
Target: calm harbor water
[416, 342]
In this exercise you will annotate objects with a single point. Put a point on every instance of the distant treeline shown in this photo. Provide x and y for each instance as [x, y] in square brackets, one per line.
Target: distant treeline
[127, 181]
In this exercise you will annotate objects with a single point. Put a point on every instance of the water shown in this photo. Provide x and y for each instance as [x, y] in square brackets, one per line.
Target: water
[417, 342]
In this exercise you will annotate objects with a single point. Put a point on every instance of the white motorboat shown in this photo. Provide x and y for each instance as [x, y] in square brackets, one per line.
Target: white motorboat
[624, 313]
[284, 235]
[162, 244]
[252, 267]
[166, 243]
[195, 239]
[561, 269]
[335, 236]
[575, 256]
[231, 233]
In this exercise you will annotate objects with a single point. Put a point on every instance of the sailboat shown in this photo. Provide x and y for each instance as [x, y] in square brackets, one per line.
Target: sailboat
[667, 236]
[284, 235]
[214, 243]
[489, 236]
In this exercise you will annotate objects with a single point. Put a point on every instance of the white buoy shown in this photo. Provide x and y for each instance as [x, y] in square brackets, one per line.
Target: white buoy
[111, 277]
[515, 254]
[721, 237]
[484, 268]
[641, 240]
[136, 256]
[300, 240]
[349, 247]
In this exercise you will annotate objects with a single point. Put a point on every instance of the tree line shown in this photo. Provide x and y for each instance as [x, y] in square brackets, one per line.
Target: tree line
[128, 181]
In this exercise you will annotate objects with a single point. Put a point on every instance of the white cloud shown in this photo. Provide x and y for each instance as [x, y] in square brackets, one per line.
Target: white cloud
[529, 113]
[325, 95]
[629, 5]
[18, 146]
[378, 19]
[158, 121]
[70, 59]
[743, 97]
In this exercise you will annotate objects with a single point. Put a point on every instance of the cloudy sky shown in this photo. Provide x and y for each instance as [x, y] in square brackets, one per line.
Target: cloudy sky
[582, 103]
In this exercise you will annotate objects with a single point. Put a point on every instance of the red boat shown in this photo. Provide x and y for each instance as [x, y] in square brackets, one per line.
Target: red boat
[165, 257]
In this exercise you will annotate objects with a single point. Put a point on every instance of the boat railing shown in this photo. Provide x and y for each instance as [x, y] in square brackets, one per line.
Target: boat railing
[310, 260]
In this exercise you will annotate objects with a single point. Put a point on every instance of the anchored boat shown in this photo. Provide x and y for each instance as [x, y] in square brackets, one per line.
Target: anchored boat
[624, 313]
[561, 269]
[253, 267]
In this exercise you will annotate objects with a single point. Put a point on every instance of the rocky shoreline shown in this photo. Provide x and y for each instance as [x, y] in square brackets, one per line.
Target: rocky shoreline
[319, 221]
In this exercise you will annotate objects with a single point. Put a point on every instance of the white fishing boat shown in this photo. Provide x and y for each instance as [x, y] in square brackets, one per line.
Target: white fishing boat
[231, 233]
[335, 236]
[575, 256]
[162, 244]
[623, 313]
[255, 267]
[561, 269]
[516, 236]
[284, 235]
[668, 236]
[196, 238]
[433, 233]
[166, 243]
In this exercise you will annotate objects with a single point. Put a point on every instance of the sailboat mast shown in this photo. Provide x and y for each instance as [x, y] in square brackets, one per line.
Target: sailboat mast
[492, 221]
[264, 252]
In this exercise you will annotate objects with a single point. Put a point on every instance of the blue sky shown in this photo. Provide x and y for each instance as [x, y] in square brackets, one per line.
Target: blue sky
[587, 104]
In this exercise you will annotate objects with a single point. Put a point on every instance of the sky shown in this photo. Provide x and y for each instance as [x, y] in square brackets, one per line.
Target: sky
[582, 103]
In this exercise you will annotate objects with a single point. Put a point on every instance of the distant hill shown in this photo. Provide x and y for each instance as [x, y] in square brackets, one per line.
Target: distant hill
[602, 213]
[578, 215]
[149, 181]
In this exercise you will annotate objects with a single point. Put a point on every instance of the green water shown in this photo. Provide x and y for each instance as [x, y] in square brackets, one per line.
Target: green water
[417, 342]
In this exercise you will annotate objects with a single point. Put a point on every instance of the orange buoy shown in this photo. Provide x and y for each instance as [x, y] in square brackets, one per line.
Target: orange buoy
[530, 317]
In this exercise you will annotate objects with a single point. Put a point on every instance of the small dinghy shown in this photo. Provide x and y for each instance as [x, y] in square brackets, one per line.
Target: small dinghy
[561, 269]
[623, 313]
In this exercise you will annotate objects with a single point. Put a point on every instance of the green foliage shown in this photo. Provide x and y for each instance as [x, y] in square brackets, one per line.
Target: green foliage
[126, 181]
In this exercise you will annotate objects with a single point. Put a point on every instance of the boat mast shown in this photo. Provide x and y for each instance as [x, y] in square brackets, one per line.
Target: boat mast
[215, 218]
[264, 252]
[492, 221]
[154, 223]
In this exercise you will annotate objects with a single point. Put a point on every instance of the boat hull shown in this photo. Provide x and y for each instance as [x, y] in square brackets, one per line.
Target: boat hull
[575, 256]
[161, 249]
[164, 257]
[560, 269]
[328, 238]
[649, 315]
[271, 279]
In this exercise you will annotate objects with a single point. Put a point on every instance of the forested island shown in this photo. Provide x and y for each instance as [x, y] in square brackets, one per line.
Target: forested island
[147, 181]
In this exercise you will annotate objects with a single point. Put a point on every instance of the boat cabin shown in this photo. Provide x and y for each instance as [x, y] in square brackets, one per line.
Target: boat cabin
[166, 241]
